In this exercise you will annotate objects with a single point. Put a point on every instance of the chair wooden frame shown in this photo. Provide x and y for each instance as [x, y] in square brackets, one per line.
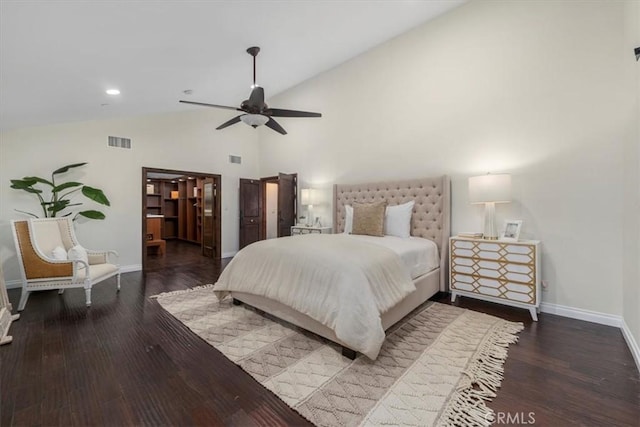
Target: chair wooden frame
[40, 272]
[5, 313]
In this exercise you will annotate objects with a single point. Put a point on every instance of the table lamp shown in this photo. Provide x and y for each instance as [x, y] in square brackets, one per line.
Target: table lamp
[490, 189]
[306, 195]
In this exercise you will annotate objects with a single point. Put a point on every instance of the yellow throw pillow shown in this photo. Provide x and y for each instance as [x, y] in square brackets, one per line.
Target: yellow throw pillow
[368, 218]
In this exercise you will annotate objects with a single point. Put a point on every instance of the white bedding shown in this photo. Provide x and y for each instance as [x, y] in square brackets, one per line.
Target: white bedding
[418, 255]
[341, 282]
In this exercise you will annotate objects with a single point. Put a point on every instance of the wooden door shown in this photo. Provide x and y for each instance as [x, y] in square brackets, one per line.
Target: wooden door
[286, 203]
[250, 195]
[208, 217]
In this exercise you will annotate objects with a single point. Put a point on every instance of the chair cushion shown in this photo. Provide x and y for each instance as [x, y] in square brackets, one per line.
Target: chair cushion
[98, 272]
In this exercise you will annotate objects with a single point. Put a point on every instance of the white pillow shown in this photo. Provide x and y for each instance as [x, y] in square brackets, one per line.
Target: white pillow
[78, 253]
[348, 219]
[397, 220]
[59, 253]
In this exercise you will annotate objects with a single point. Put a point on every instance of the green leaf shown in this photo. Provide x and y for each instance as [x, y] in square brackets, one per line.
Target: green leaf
[21, 184]
[92, 214]
[28, 189]
[59, 188]
[66, 168]
[95, 195]
[38, 179]
[57, 206]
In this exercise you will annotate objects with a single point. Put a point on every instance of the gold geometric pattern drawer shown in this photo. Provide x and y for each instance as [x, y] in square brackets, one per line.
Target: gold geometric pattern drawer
[506, 272]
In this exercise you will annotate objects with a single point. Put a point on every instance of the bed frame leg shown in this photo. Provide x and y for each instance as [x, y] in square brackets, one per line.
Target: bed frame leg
[237, 302]
[348, 353]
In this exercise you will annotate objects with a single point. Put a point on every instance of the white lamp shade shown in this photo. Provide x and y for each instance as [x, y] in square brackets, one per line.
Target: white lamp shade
[490, 188]
[305, 196]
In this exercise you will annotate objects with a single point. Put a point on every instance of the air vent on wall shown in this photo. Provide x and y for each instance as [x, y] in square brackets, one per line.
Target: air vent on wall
[116, 141]
[235, 159]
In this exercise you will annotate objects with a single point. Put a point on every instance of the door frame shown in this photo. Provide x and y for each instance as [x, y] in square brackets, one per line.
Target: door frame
[217, 179]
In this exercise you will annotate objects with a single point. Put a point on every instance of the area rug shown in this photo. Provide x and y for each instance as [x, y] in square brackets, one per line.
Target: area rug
[437, 367]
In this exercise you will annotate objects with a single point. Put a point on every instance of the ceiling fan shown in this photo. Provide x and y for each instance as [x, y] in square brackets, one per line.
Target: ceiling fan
[255, 111]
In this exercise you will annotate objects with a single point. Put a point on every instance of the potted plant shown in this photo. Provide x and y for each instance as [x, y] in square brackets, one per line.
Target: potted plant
[61, 193]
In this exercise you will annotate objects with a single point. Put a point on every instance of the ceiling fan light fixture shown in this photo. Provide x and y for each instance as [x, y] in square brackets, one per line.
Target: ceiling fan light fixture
[254, 120]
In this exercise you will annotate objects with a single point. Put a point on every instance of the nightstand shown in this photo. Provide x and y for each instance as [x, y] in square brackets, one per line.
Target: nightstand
[498, 271]
[297, 230]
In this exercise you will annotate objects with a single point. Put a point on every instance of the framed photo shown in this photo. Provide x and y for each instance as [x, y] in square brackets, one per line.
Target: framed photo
[511, 231]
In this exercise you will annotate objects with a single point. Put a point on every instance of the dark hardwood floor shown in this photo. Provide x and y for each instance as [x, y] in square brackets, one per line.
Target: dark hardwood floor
[125, 361]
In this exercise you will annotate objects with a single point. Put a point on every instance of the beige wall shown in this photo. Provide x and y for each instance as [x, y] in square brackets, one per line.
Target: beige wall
[631, 235]
[536, 89]
[183, 141]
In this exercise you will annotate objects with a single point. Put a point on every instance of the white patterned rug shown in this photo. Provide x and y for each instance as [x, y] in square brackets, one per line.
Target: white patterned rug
[437, 367]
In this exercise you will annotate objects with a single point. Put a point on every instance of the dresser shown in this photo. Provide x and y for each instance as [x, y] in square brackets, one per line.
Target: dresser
[303, 229]
[498, 271]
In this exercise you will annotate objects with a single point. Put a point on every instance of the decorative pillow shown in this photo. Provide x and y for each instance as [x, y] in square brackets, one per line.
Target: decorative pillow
[368, 218]
[78, 253]
[348, 219]
[397, 220]
[59, 253]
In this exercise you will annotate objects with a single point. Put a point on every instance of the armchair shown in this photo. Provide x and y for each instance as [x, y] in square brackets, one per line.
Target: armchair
[35, 241]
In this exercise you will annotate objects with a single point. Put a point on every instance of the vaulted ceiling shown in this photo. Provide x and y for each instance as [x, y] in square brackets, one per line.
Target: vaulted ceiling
[57, 58]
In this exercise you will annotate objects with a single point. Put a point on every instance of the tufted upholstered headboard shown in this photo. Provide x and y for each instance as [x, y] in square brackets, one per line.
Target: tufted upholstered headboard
[431, 217]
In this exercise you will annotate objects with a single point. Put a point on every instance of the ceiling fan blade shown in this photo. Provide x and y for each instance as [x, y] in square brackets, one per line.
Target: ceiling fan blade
[230, 122]
[211, 105]
[278, 112]
[257, 97]
[275, 126]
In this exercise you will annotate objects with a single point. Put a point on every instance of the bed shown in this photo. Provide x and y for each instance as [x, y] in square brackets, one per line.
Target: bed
[430, 219]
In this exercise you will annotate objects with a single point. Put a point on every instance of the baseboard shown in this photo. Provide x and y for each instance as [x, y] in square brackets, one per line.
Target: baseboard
[229, 254]
[12, 284]
[631, 342]
[130, 268]
[581, 314]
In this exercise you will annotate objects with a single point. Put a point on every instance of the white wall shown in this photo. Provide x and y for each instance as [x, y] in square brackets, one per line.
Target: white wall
[631, 220]
[272, 210]
[536, 89]
[183, 141]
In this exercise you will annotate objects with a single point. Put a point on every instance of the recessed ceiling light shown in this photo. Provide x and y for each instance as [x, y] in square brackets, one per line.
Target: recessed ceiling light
[112, 92]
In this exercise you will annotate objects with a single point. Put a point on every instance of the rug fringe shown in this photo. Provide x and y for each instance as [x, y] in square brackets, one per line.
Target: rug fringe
[182, 291]
[481, 379]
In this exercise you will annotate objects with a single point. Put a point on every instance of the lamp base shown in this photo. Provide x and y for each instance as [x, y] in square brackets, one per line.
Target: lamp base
[490, 232]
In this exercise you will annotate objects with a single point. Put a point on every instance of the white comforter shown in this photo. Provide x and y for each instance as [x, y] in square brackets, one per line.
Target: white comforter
[341, 282]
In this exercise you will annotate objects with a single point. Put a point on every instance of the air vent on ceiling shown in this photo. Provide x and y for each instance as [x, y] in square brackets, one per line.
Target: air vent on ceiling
[116, 141]
[235, 159]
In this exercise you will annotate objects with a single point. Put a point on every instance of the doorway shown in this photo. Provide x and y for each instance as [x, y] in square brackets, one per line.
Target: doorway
[180, 209]
[267, 207]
